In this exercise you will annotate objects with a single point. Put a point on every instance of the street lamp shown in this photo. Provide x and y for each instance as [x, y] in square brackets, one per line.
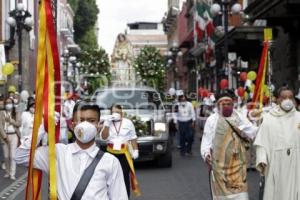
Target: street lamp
[172, 55]
[65, 55]
[223, 9]
[19, 19]
[75, 65]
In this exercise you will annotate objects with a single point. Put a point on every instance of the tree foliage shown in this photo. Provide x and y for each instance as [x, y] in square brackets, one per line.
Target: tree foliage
[73, 4]
[150, 66]
[95, 67]
[89, 41]
[84, 22]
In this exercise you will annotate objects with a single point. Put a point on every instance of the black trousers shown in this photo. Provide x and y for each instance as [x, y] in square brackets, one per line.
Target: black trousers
[126, 170]
[186, 136]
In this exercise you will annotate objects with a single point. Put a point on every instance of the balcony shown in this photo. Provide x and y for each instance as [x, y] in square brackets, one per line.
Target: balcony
[280, 10]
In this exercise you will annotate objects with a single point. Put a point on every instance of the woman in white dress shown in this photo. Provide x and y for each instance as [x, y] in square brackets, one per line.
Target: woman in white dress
[10, 122]
[27, 118]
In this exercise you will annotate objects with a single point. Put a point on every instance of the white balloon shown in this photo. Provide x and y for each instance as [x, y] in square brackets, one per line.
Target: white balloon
[215, 9]
[172, 91]
[236, 8]
[24, 95]
[248, 83]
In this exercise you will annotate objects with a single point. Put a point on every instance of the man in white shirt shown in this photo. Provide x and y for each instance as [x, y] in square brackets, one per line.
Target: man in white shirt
[223, 149]
[186, 118]
[107, 182]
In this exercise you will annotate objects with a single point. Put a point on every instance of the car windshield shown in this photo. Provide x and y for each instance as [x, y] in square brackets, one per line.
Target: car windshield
[129, 99]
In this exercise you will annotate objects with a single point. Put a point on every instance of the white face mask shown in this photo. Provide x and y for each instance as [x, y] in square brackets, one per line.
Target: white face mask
[8, 107]
[287, 105]
[85, 132]
[116, 117]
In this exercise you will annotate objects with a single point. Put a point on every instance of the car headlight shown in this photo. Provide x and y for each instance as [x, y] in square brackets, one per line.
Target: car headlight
[161, 127]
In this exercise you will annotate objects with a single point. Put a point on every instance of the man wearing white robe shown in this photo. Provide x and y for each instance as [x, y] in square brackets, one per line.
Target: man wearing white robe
[278, 149]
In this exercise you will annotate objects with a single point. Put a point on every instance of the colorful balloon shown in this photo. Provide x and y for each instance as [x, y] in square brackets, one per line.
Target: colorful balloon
[12, 88]
[267, 93]
[251, 75]
[265, 88]
[240, 91]
[243, 76]
[224, 84]
[205, 93]
[8, 69]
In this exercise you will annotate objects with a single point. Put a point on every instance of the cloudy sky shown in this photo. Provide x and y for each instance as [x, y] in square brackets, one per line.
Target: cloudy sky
[115, 14]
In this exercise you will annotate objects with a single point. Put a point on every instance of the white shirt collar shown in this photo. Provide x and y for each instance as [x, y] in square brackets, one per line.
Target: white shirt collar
[91, 151]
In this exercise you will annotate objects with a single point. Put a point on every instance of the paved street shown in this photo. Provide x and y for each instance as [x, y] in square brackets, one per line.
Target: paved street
[187, 179]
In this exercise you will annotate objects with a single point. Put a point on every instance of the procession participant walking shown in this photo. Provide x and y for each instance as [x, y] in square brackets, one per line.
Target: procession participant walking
[2, 136]
[10, 122]
[27, 118]
[119, 132]
[186, 118]
[223, 149]
[278, 149]
[74, 161]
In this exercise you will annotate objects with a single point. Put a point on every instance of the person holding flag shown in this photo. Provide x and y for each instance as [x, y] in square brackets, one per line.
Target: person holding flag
[85, 171]
[223, 148]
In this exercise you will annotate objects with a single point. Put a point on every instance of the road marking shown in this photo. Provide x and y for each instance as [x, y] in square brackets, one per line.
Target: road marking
[15, 188]
[17, 192]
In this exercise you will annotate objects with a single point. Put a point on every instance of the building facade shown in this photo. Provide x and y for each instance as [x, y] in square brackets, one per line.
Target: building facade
[63, 15]
[142, 34]
[284, 18]
[203, 61]
[9, 38]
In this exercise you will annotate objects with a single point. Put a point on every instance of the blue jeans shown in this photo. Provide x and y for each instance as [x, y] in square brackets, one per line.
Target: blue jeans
[186, 136]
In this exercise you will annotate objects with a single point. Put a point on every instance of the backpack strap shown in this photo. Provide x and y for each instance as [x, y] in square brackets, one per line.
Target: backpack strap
[86, 177]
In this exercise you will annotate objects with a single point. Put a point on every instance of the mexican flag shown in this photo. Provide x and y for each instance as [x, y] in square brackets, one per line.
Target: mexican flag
[205, 30]
[203, 20]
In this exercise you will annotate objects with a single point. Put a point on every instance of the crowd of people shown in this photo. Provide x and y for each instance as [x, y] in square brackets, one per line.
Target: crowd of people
[235, 137]
[85, 172]
[238, 136]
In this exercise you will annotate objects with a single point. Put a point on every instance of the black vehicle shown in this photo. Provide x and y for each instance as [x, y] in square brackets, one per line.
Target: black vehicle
[144, 107]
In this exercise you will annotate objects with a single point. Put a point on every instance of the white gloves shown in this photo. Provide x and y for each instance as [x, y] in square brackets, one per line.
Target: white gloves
[107, 121]
[135, 154]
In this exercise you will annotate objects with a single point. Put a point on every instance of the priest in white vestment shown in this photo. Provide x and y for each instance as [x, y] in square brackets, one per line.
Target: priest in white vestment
[278, 149]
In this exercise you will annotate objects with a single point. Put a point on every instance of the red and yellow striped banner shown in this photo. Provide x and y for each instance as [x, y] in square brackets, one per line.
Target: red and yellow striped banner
[47, 88]
[262, 70]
